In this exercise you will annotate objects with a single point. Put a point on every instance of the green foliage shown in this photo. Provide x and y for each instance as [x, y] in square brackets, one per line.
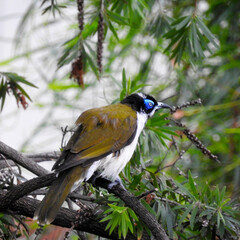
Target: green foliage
[121, 218]
[10, 82]
[206, 211]
[186, 210]
[53, 7]
[127, 86]
[189, 34]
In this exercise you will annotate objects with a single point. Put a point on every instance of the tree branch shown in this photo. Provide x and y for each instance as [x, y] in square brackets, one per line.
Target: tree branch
[65, 218]
[25, 188]
[46, 155]
[192, 137]
[37, 157]
[21, 160]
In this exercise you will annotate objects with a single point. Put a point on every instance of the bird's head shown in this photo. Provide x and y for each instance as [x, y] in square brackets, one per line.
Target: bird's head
[144, 103]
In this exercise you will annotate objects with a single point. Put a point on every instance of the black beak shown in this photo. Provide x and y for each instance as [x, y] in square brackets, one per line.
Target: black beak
[162, 105]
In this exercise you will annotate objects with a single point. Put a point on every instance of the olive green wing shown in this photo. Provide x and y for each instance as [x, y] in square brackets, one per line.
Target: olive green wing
[101, 132]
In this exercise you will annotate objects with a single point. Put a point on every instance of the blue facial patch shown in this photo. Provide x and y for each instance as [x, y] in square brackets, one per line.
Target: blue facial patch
[149, 104]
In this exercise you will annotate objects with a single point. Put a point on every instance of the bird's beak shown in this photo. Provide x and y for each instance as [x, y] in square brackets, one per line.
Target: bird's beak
[162, 105]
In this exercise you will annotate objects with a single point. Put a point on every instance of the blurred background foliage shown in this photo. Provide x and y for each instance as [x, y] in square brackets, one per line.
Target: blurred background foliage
[177, 51]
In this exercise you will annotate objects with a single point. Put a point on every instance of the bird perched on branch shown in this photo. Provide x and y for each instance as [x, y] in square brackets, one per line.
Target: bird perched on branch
[102, 144]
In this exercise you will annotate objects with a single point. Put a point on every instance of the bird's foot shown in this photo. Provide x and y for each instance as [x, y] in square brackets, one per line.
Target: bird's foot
[116, 182]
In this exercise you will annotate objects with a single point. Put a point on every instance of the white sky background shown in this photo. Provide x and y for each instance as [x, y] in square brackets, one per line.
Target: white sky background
[17, 124]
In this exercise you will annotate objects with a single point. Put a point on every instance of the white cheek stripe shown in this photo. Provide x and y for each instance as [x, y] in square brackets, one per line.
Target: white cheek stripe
[112, 165]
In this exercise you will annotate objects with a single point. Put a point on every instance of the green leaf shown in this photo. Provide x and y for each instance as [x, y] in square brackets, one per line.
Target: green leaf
[115, 221]
[59, 86]
[232, 130]
[222, 194]
[117, 208]
[184, 21]
[124, 227]
[111, 27]
[208, 213]
[91, 63]
[130, 226]
[193, 216]
[124, 79]
[196, 46]
[144, 4]
[172, 33]
[192, 185]
[124, 85]
[16, 78]
[160, 134]
[109, 217]
[89, 29]
[206, 32]
[185, 214]
[23, 91]
[178, 51]
[168, 130]
[185, 190]
[117, 18]
[203, 41]
[169, 220]
[136, 180]
[3, 91]
[225, 201]
[12, 80]
[132, 214]
[138, 87]
[221, 217]
[146, 205]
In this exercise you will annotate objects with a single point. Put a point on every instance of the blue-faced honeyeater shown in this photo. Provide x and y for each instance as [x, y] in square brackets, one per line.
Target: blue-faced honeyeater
[103, 142]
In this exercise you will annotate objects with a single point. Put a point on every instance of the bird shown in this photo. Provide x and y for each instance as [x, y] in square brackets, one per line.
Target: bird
[102, 144]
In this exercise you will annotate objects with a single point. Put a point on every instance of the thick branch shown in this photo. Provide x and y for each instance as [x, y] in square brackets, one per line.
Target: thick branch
[21, 160]
[65, 218]
[25, 188]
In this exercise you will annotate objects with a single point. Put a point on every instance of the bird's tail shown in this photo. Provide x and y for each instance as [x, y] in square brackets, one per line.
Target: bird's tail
[53, 200]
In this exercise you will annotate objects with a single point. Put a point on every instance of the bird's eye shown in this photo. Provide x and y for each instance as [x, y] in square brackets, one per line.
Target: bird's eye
[149, 104]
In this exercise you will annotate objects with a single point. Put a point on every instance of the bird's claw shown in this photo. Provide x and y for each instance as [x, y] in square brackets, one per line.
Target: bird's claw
[115, 183]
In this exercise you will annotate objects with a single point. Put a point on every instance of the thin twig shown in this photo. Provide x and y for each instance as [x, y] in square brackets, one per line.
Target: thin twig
[100, 37]
[171, 202]
[172, 164]
[184, 105]
[175, 144]
[46, 155]
[192, 137]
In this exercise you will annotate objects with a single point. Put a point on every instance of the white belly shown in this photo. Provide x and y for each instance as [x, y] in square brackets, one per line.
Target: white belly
[110, 166]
